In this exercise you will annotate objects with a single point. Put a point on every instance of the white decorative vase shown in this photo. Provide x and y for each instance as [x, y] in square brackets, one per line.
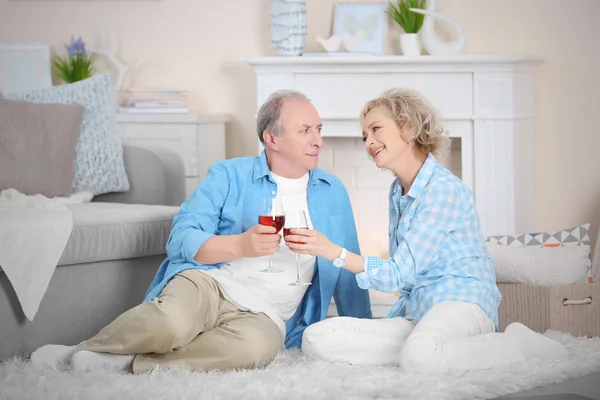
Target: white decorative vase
[431, 41]
[410, 44]
[288, 26]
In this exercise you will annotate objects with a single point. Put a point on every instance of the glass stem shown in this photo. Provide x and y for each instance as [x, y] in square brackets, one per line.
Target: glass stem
[297, 269]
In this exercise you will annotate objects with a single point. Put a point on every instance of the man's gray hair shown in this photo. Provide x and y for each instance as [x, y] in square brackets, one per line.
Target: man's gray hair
[269, 115]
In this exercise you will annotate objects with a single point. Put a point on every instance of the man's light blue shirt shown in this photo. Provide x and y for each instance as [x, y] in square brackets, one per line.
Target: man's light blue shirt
[436, 247]
[227, 202]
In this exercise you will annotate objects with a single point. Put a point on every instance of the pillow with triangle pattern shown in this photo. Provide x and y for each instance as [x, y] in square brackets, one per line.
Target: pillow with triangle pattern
[560, 257]
[575, 236]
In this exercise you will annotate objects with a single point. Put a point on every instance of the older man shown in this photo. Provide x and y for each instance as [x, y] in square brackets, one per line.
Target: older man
[210, 306]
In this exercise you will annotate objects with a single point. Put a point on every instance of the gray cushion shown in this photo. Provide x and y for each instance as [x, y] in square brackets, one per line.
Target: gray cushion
[114, 231]
[156, 175]
[37, 146]
[99, 165]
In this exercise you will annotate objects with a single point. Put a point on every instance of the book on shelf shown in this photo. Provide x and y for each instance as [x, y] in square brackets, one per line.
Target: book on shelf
[156, 110]
[153, 101]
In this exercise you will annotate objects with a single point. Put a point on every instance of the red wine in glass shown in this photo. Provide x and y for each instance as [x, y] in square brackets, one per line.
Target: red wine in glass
[287, 232]
[271, 214]
[276, 221]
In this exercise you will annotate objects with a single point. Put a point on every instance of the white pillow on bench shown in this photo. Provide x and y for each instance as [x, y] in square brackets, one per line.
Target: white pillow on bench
[543, 258]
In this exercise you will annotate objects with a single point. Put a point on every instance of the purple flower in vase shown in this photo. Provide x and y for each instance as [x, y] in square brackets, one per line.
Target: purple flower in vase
[76, 47]
[77, 64]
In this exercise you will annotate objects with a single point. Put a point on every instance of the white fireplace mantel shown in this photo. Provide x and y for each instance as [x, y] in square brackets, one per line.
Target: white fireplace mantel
[466, 62]
[486, 101]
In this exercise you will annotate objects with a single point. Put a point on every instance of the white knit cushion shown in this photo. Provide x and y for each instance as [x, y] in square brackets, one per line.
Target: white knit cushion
[99, 165]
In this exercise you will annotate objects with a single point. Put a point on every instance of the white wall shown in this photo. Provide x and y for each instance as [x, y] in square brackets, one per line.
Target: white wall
[197, 44]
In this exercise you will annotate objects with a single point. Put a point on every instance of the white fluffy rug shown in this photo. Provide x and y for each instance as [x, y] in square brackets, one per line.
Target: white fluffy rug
[294, 376]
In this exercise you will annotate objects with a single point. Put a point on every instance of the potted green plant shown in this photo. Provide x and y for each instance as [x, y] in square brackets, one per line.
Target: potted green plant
[76, 65]
[410, 22]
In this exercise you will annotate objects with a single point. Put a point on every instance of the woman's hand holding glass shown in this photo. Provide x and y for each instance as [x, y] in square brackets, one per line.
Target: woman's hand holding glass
[312, 242]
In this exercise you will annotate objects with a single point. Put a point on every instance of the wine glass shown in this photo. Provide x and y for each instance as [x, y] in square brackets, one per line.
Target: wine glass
[295, 220]
[271, 214]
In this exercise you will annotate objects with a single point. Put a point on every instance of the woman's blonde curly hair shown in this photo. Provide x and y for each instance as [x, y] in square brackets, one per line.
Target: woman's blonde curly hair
[417, 119]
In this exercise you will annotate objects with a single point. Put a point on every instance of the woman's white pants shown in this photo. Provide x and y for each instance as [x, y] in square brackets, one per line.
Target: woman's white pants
[451, 336]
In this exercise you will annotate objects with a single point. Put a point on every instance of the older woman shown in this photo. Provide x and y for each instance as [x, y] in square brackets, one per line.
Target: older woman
[438, 261]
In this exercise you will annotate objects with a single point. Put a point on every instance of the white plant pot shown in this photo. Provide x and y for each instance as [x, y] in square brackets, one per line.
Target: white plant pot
[410, 44]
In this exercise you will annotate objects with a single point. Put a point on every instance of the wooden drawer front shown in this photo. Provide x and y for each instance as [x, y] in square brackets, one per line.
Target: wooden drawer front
[344, 95]
[180, 138]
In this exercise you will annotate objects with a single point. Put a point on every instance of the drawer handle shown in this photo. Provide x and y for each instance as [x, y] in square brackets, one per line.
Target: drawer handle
[567, 302]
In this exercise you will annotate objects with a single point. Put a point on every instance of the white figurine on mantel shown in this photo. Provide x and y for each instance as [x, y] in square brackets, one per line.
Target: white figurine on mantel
[122, 68]
[335, 43]
[431, 41]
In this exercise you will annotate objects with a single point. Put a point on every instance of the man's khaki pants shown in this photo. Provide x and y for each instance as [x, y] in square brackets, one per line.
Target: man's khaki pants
[190, 325]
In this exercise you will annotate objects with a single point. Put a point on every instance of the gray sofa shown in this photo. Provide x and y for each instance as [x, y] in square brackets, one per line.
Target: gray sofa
[117, 243]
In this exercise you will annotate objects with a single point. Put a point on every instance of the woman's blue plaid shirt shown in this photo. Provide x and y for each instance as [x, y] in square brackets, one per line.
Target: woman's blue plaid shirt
[436, 246]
